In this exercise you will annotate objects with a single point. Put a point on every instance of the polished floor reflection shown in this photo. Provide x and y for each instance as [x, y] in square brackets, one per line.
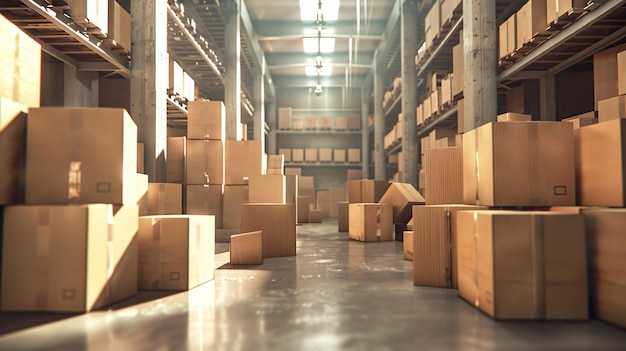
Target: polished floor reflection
[335, 294]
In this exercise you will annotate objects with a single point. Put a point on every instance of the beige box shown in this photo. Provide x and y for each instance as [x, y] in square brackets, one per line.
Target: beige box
[297, 155]
[457, 69]
[268, 189]
[297, 123]
[460, 116]
[444, 176]
[531, 20]
[605, 73]
[435, 101]
[12, 151]
[446, 90]
[306, 187]
[513, 117]
[165, 198]
[205, 200]
[354, 155]
[94, 12]
[434, 249]
[323, 202]
[612, 108]
[176, 252]
[284, 118]
[343, 217]
[310, 155]
[432, 23]
[337, 195]
[370, 222]
[310, 122]
[341, 123]
[141, 185]
[206, 120]
[326, 122]
[234, 197]
[558, 8]
[278, 224]
[243, 159]
[582, 120]
[276, 162]
[246, 248]
[286, 153]
[176, 157]
[80, 155]
[354, 191]
[339, 155]
[205, 162]
[68, 258]
[119, 25]
[508, 164]
[523, 265]
[315, 216]
[303, 209]
[407, 245]
[402, 197]
[373, 190]
[293, 171]
[354, 122]
[326, 155]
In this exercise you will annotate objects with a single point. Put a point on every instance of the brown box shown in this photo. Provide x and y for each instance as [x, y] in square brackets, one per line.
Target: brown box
[278, 223]
[12, 151]
[165, 198]
[444, 176]
[612, 108]
[176, 252]
[119, 25]
[303, 209]
[582, 120]
[310, 155]
[246, 248]
[286, 154]
[621, 73]
[310, 122]
[354, 155]
[354, 174]
[343, 217]
[337, 195]
[140, 158]
[531, 20]
[370, 222]
[606, 247]
[514, 166]
[605, 73]
[402, 197]
[306, 187]
[326, 122]
[94, 12]
[407, 245]
[457, 69]
[514, 117]
[446, 90]
[434, 250]
[503, 37]
[176, 157]
[323, 202]
[326, 155]
[354, 191]
[435, 102]
[297, 124]
[205, 162]
[206, 120]
[80, 155]
[341, 123]
[558, 8]
[243, 159]
[354, 122]
[70, 258]
[284, 118]
[276, 162]
[297, 155]
[432, 23]
[315, 216]
[205, 200]
[268, 189]
[600, 150]
[293, 171]
[234, 197]
[523, 265]
[373, 190]
[339, 155]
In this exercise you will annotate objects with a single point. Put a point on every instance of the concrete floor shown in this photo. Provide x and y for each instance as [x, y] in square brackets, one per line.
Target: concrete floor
[335, 294]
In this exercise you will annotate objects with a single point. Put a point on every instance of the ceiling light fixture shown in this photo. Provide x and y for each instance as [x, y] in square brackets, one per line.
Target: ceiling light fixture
[319, 23]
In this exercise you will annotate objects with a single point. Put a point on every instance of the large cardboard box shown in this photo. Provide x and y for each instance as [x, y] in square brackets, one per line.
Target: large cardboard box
[12, 151]
[119, 25]
[606, 245]
[434, 244]
[303, 209]
[432, 24]
[205, 200]
[176, 158]
[612, 108]
[205, 162]
[69, 258]
[268, 189]
[284, 118]
[243, 159]
[234, 197]
[600, 151]
[444, 176]
[206, 120]
[354, 189]
[605, 73]
[523, 265]
[354, 122]
[165, 198]
[402, 197]
[531, 20]
[246, 248]
[337, 195]
[343, 219]
[370, 222]
[278, 224]
[176, 252]
[80, 155]
[519, 164]
[457, 69]
[373, 190]
[310, 155]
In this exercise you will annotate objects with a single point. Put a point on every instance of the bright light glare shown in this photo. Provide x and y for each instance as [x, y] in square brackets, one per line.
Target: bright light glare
[308, 10]
[311, 71]
[326, 45]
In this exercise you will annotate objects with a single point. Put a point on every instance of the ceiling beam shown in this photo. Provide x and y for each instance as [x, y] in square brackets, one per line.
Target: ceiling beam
[291, 81]
[249, 35]
[277, 59]
[340, 28]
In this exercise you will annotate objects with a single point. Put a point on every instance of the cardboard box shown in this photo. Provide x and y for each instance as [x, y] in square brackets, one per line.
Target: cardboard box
[165, 198]
[297, 124]
[343, 216]
[297, 155]
[243, 159]
[303, 209]
[606, 247]
[558, 8]
[119, 25]
[310, 122]
[326, 122]
[605, 73]
[205, 162]
[141, 185]
[234, 197]
[310, 155]
[246, 248]
[435, 102]
[94, 12]
[402, 197]
[176, 157]
[268, 189]
[582, 120]
[373, 190]
[354, 191]
[206, 120]
[278, 224]
[70, 258]
[315, 216]
[205, 200]
[515, 166]
[341, 123]
[460, 116]
[444, 176]
[514, 117]
[354, 155]
[85, 155]
[523, 265]
[176, 252]
[370, 222]
[435, 250]
[432, 24]
[339, 155]
[323, 202]
[354, 122]
[337, 195]
[600, 164]
[326, 154]
[286, 154]
[293, 171]
[621, 73]
[140, 158]
[284, 118]
[612, 108]
[531, 20]
[12, 151]
[457, 69]
[407, 245]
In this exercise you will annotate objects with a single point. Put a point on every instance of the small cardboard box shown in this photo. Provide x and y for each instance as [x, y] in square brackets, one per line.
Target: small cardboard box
[243, 159]
[341, 123]
[323, 202]
[402, 197]
[354, 191]
[582, 120]
[268, 189]
[343, 216]
[605, 73]
[310, 122]
[373, 190]
[310, 155]
[165, 198]
[206, 120]
[297, 155]
[286, 154]
[284, 118]
[326, 122]
[205, 162]
[297, 124]
[278, 224]
[612, 108]
[293, 171]
[326, 154]
[337, 195]
[354, 155]
[246, 248]
[370, 222]
[176, 158]
[205, 200]
[339, 155]
[354, 122]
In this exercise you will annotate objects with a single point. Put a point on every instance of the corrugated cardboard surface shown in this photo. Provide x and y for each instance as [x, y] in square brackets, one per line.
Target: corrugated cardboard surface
[119, 25]
[278, 223]
[444, 176]
[523, 265]
[297, 155]
[165, 198]
[205, 200]
[612, 108]
[176, 156]
[342, 217]
[243, 159]
[87, 155]
[234, 197]
[337, 195]
[303, 209]
[605, 73]
[373, 190]
[354, 191]
[370, 222]
[310, 155]
[246, 248]
[339, 155]
[402, 197]
[407, 245]
[600, 176]
[607, 259]
[531, 19]
[206, 120]
[12, 151]
[176, 252]
[519, 164]
[268, 189]
[557, 8]
[205, 162]
[326, 155]
[354, 155]
[323, 202]
[124, 247]
[276, 162]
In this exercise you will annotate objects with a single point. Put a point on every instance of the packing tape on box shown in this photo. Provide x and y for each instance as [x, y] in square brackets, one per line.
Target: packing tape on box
[75, 157]
[162, 199]
[43, 258]
[155, 272]
[537, 247]
[449, 253]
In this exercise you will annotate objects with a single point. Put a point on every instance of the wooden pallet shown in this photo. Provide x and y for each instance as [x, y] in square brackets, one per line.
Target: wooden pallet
[566, 19]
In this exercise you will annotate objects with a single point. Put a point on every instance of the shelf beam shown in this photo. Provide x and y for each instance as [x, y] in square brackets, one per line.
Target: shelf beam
[444, 117]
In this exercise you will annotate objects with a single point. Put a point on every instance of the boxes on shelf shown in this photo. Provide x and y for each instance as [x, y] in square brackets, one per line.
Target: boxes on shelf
[205, 162]
[513, 117]
[119, 25]
[286, 154]
[457, 68]
[205, 200]
[297, 124]
[343, 217]
[234, 197]
[206, 120]
[326, 154]
[242, 160]
[310, 155]
[88, 155]
[354, 155]
[407, 245]
[268, 189]
[165, 198]
[326, 122]
[557, 8]
[432, 24]
[446, 90]
[12, 153]
[176, 157]
[339, 155]
[246, 248]
[444, 176]
[373, 190]
[612, 108]
[370, 222]
[402, 197]
[582, 120]
[176, 252]
[354, 122]
[531, 20]
[90, 13]
[605, 73]
[284, 118]
[303, 209]
[530, 265]
[310, 123]
[435, 102]
[297, 155]
[341, 123]
[278, 224]
[419, 114]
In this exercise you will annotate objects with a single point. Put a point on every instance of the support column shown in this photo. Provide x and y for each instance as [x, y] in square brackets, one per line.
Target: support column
[232, 77]
[409, 33]
[479, 50]
[147, 82]
[547, 103]
[259, 108]
[272, 121]
[365, 135]
[380, 163]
